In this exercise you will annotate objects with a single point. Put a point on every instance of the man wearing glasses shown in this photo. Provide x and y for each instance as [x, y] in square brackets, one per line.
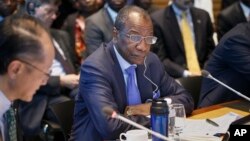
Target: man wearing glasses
[25, 62]
[106, 80]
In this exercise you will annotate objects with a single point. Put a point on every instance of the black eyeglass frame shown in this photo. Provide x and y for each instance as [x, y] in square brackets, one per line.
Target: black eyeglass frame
[33, 66]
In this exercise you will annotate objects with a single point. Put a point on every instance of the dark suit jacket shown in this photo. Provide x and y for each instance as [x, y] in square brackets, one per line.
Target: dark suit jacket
[230, 63]
[170, 46]
[99, 29]
[102, 84]
[31, 113]
[230, 17]
[226, 3]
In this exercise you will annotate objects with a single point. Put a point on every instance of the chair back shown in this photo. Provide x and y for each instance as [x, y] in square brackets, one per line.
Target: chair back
[193, 86]
[64, 113]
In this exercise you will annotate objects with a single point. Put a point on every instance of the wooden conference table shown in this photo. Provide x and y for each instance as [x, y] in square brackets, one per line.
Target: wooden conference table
[238, 106]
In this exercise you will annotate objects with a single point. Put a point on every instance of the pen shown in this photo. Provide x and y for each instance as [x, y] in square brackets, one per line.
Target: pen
[212, 122]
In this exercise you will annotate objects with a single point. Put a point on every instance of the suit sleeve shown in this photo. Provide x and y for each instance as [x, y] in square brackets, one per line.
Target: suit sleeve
[170, 88]
[223, 26]
[97, 92]
[210, 45]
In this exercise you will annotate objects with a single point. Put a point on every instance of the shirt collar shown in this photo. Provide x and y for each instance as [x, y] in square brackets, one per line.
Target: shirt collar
[246, 9]
[112, 13]
[4, 104]
[123, 63]
[178, 11]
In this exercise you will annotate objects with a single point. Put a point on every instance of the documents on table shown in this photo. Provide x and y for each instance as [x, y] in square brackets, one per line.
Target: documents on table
[203, 127]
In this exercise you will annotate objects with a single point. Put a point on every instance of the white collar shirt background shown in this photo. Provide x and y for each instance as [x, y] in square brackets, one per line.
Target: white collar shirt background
[57, 68]
[246, 11]
[112, 13]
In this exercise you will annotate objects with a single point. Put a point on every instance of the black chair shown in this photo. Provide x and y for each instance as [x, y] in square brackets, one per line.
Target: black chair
[64, 115]
[193, 86]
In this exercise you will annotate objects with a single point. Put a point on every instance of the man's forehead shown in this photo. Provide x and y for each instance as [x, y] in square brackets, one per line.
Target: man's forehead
[139, 29]
[140, 24]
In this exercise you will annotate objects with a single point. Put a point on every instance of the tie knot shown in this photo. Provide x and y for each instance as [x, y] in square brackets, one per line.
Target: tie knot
[183, 14]
[130, 70]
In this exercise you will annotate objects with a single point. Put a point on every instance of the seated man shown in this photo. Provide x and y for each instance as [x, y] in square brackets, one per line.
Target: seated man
[24, 66]
[109, 75]
[185, 38]
[230, 63]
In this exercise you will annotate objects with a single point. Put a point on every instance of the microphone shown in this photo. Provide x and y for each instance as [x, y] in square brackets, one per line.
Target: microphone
[206, 74]
[156, 93]
[110, 112]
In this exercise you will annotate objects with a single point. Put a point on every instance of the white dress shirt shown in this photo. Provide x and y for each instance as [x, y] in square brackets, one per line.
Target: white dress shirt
[112, 13]
[57, 68]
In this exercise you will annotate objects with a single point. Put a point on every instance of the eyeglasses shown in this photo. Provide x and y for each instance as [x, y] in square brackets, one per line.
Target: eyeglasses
[36, 68]
[138, 38]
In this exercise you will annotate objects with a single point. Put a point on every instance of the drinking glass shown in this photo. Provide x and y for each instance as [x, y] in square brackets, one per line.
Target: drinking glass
[178, 122]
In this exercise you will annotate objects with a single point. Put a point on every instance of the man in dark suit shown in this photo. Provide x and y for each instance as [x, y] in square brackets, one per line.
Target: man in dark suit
[230, 63]
[24, 66]
[170, 44]
[232, 15]
[104, 80]
[99, 26]
[62, 80]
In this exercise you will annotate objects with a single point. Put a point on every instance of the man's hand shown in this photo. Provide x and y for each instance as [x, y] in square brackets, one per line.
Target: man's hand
[142, 109]
[70, 80]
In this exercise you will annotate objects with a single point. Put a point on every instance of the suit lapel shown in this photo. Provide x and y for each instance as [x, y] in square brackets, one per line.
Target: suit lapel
[121, 97]
[144, 86]
[108, 23]
[241, 16]
[56, 35]
[175, 29]
[197, 25]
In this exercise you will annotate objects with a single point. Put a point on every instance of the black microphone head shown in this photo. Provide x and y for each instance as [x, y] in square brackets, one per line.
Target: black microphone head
[205, 73]
[108, 111]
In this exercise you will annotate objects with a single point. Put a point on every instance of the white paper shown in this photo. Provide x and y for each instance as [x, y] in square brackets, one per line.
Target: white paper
[201, 127]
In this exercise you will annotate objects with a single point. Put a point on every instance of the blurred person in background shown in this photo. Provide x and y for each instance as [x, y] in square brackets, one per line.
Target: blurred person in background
[99, 26]
[7, 7]
[63, 77]
[75, 25]
[146, 5]
[185, 38]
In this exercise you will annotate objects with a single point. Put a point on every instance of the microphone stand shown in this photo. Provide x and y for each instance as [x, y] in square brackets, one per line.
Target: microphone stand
[223, 84]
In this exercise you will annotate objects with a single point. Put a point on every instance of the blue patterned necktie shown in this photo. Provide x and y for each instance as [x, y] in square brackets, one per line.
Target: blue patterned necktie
[133, 94]
[11, 124]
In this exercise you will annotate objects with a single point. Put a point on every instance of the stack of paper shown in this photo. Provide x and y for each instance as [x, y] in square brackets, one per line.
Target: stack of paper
[202, 130]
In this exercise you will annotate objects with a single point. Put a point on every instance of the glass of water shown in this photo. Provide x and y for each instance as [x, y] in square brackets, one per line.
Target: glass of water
[177, 119]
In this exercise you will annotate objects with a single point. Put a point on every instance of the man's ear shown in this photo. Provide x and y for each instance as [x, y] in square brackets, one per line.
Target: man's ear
[14, 68]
